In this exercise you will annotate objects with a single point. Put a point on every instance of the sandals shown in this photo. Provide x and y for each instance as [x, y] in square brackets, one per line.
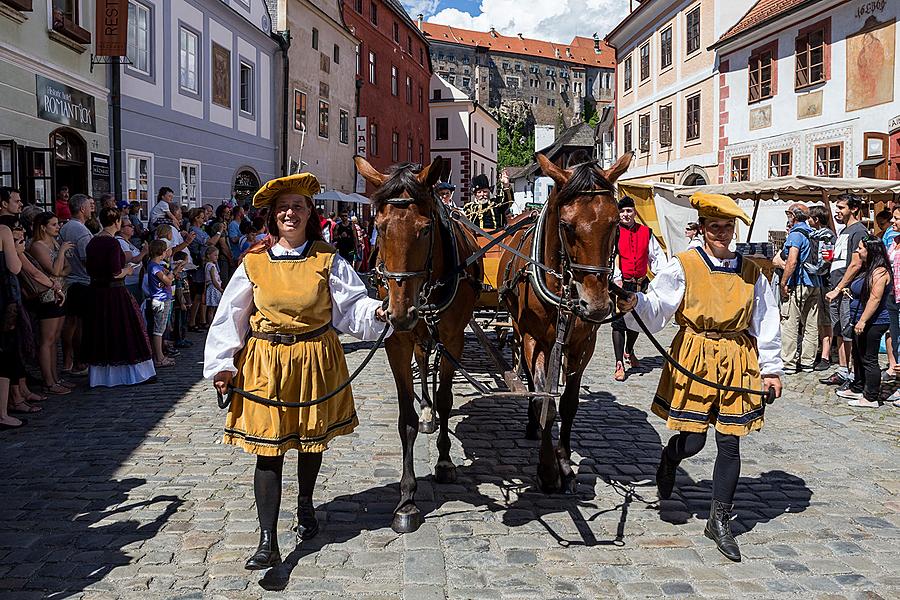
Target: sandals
[863, 404]
[167, 362]
[57, 389]
[32, 397]
[4, 426]
[66, 384]
[23, 408]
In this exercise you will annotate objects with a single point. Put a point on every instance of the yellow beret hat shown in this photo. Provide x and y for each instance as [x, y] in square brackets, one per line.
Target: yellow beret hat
[305, 184]
[717, 206]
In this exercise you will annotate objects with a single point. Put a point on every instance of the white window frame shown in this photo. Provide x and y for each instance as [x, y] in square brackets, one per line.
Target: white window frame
[251, 99]
[182, 53]
[186, 200]
[151, 195]
[135, 64]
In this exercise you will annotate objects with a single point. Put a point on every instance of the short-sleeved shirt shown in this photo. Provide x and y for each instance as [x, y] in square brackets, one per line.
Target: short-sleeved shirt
[158, 212]
[153, 287]
[234, 231]
[799, 238]
[129, 248]
[846, 245]
[75, 231]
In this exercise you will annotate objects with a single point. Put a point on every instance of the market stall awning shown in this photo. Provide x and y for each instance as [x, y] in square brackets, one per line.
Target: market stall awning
[798, 187]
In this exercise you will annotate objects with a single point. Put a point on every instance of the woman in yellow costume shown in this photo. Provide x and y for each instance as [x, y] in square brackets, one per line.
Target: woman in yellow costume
[274, 336]
[729, 333]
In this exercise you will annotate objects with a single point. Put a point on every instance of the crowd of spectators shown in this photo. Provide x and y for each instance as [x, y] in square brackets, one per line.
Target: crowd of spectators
[839, 286]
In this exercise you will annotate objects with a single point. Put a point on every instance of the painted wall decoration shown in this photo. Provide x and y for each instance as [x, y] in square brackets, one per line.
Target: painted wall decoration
[809, 105]
[870, 65]
[761, 117]
[221, 75]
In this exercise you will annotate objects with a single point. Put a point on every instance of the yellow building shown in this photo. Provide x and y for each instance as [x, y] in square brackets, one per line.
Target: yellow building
[667, 89]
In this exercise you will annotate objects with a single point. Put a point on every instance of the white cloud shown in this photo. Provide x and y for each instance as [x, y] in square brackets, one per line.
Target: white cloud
[424, 7]
[552, 20]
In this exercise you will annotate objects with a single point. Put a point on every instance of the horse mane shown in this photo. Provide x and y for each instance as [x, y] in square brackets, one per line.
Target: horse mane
[403, 178]
[586, 176]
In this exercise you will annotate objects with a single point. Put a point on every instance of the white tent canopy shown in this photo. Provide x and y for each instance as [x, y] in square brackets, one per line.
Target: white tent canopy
[762, 199]
[341, 197]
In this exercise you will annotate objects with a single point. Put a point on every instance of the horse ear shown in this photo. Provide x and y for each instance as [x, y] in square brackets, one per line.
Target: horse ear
[559, 175]
[369, 173]
[430, 174]
[613, 173]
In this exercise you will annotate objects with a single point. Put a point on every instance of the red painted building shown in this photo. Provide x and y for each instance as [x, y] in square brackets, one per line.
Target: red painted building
[393, 71]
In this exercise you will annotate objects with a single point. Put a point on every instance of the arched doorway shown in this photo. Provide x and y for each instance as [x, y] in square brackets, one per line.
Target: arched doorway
[70, 154]
[246, 183]
[694, 175]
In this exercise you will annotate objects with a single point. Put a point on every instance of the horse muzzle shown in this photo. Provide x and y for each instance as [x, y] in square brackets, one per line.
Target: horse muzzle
[403, 320]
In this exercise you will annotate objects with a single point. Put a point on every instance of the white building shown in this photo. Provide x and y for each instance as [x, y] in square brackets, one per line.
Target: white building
[464, 133]
[809, 89]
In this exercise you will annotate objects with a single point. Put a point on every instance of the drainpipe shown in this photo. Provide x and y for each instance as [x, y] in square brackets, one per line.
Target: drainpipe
[115, 93]
[471, 171]
[284, 42]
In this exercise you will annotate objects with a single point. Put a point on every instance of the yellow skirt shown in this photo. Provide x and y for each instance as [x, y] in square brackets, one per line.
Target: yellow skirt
[687, 405]
[296, 373]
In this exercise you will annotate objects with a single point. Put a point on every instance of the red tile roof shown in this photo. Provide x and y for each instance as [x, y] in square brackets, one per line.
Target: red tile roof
[580, 51]
[759, 13]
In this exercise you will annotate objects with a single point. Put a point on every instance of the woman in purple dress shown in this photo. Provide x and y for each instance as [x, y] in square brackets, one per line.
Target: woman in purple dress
[115, 343]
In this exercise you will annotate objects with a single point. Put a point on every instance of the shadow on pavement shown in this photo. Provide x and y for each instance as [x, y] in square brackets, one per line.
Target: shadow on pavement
[61, 521]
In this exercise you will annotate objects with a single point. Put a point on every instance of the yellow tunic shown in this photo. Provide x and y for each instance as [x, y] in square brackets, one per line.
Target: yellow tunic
[713, 343]
[291, 295]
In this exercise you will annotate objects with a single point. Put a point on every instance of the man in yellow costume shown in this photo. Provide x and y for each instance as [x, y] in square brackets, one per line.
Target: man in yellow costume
[729, 332]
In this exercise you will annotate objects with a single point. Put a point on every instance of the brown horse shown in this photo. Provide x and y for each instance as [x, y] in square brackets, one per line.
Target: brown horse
[420, 248]
[578, 236]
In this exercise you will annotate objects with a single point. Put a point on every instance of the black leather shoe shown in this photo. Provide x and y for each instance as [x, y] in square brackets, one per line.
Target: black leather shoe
[718, 529]
[267, 554]
[665, 475]
[307, 524]
[833, 379]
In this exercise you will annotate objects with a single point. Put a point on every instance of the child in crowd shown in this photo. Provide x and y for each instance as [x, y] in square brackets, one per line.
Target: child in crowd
[214, 286]
[158, 282]
[181, 305]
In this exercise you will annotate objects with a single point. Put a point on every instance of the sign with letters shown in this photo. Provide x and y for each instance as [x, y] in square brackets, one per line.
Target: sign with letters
[63, 104]
[362, 147]
[99, 174]
[111, 28]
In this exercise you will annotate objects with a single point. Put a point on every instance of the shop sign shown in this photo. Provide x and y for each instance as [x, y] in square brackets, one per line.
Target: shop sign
[894, 125]
[111, 28]
[99, 173]
[62, 104]
[362, 146]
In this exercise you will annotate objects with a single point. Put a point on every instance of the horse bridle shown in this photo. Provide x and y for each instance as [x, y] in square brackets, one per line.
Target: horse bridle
[426, 273]
[569, 267]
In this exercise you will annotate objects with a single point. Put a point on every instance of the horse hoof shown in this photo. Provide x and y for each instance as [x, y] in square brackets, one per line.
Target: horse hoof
[532, 433]
[445, 473]
[407, 522]
[570, 486]
[551, 486]
[428, 427]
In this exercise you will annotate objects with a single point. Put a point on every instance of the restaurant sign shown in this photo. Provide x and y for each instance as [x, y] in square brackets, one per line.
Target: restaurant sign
[62, 104]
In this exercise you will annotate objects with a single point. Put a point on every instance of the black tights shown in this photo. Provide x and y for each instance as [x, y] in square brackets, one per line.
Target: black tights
[728, 459]
[623, 341]
[267, 484]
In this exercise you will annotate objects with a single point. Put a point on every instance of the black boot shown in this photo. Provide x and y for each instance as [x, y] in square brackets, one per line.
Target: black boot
[307, 524]
[665, 475]
[718, 529]
[267, 554]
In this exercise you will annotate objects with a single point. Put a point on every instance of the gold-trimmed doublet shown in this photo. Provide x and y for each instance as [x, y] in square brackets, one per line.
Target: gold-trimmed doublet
[713, 342]
[291, 296]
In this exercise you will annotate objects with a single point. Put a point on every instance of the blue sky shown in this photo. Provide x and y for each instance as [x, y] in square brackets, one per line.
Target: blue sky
[553, 20]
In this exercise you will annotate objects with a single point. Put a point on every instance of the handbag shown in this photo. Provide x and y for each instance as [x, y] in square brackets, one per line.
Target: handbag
[32, 289]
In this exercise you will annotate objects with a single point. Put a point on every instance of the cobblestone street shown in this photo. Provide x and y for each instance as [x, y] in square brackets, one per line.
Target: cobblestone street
[130, 494]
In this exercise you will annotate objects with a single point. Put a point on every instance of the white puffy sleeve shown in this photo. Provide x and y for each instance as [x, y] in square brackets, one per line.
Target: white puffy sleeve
[352, 311]
[658, 258]
[658, 304]
[230, 326]
[765, 326]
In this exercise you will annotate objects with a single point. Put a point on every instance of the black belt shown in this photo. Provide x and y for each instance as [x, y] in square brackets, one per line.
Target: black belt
[108, 284]
[289, 339]
[634, 280]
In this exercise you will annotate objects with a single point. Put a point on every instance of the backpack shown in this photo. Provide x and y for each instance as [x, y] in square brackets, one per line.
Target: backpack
[815, 263]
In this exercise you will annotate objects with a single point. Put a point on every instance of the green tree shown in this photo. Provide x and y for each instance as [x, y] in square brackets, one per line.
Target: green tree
[515, 142]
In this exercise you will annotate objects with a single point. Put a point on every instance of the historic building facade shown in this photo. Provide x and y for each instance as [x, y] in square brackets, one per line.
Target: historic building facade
[552, 80]
[667, 92]
[200, 100]
[322, 90]
[54, 128]
[810, 89]
[393, 71]
[463, 133]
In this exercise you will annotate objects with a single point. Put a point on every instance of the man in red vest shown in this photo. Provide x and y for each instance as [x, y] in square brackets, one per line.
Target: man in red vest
[638, 252]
